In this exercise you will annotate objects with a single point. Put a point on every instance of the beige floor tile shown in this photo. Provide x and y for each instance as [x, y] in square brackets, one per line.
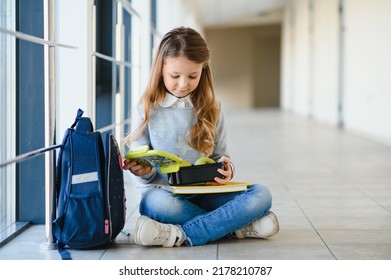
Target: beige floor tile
[331, 192]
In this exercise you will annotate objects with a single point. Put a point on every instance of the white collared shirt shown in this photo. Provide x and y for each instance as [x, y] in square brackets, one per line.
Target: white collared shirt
[175, 102]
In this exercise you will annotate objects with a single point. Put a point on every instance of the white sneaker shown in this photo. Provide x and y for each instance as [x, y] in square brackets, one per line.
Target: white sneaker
[152, 233]
[264, 227]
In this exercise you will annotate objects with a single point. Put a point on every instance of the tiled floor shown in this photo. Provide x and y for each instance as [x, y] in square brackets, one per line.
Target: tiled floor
[331, 191]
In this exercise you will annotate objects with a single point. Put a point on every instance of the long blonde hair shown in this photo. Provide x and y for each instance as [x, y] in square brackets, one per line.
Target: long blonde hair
[188, 43]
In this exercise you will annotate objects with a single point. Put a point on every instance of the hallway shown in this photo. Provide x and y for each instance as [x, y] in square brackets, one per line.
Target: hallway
[331, 192]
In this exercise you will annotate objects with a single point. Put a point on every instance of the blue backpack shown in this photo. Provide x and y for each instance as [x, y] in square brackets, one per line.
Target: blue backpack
[89, 203]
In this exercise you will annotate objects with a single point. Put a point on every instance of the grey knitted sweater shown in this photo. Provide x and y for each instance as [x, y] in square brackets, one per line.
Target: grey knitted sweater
[167, 130]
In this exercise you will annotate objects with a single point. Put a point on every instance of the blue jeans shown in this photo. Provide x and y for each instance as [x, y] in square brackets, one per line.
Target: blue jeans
[207, 217]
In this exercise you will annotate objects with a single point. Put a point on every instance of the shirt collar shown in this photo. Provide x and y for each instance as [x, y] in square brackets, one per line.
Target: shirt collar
[171, 100]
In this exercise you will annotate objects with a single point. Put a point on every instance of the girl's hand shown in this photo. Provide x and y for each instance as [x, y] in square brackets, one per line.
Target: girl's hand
[136, 168]
[226, 172]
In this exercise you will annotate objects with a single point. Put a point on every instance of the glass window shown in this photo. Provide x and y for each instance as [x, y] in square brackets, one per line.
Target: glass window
[116, 77]
[117, 64]
[7, 114]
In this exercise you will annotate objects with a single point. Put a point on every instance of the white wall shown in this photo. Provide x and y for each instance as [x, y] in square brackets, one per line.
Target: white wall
[300, 99]
[175, 13]
[310, 67]
[325, 67]
[287, 58]
[368, 68]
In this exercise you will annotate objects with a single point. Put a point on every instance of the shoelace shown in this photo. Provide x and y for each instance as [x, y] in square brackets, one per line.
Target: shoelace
[164, 233]
[249, 230]
[166, 236]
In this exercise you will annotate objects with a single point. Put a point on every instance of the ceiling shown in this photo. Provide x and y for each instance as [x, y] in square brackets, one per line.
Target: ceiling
[224, 13]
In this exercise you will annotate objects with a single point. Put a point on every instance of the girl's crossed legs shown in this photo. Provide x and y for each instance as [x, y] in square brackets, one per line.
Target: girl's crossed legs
[207, 217]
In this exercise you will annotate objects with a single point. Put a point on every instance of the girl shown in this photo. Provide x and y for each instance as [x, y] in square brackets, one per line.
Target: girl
[179, 114]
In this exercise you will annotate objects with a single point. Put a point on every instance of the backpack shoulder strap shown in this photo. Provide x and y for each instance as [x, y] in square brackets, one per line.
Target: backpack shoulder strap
[66, 137]
[56, 230]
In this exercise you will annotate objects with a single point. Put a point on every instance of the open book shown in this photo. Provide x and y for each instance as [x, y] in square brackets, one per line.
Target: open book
[204, 189]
